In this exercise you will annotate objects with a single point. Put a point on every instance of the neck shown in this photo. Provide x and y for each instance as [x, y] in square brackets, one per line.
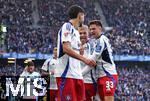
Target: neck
[30, 72]
[99, 36]
[54, 57]
[84, 42]
[74, 22]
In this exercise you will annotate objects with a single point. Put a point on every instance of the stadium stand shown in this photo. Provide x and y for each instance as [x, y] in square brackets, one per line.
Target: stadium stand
[133, 83]
[30, 40]
[18, 38]
[130, 19]
[16, 12]
[52, 12]
[130, 26]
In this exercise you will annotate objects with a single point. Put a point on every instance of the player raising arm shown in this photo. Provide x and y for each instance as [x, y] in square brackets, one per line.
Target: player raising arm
[29, 72]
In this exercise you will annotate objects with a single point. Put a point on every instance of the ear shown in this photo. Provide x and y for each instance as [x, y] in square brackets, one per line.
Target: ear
[100, 28]
[78, 16]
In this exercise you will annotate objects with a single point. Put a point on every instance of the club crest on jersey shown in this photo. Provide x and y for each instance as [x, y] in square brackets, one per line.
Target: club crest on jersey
[98, 48]
[66, 34]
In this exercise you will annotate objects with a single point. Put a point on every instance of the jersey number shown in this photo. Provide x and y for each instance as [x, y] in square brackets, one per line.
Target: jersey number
[109, 85]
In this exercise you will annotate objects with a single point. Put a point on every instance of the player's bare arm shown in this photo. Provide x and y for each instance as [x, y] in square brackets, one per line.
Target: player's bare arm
[70, 52]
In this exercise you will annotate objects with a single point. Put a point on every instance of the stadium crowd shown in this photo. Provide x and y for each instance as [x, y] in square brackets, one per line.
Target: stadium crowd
[9, 70]
[24, 39]
[133, 84]
[16, 12]
[30, 40]
[129, 36]
[130, 19]
[52, 12]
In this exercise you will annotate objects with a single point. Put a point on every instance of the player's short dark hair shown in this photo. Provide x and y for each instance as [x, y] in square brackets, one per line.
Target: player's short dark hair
[30, 63]
[74, 10]
[95, 22]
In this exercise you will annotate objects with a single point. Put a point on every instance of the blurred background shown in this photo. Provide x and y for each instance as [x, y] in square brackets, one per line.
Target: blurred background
[28, 29]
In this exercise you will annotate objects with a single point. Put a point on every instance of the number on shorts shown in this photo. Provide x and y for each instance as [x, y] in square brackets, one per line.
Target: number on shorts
[109, 85]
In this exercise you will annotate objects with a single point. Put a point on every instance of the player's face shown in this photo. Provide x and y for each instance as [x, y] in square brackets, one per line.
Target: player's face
[81, 17]
[31, 69]
[95, 31]
[83, 35]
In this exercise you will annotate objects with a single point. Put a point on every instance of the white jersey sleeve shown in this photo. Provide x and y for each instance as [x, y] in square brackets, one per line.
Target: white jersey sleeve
[103, 56]
[46, 65]
[68, 66]
[66, 32]
[50, 66]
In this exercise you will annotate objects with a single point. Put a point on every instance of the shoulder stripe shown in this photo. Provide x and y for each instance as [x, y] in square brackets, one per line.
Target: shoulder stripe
[60, 45]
